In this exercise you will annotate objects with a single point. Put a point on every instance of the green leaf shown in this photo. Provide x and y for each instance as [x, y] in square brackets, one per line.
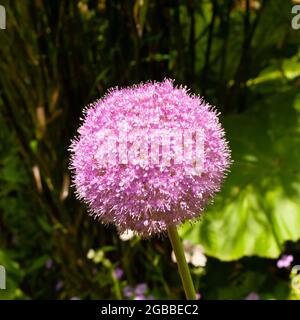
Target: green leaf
[259, 206]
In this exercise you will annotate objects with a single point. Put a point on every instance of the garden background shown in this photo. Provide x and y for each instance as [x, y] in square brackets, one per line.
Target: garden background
[58, 56]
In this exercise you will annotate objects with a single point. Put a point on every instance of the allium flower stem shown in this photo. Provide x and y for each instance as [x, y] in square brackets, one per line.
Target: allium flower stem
[183, 268]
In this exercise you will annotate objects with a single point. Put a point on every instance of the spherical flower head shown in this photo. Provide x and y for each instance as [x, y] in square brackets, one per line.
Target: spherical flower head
[148, 157]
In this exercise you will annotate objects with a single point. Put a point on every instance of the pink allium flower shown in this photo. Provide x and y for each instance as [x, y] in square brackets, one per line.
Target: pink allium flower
[148, 194]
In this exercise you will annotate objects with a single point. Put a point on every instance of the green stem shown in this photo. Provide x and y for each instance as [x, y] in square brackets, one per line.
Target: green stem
[183, 268]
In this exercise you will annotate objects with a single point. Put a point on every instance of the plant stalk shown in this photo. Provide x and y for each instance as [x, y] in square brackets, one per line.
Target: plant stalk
[183, 267]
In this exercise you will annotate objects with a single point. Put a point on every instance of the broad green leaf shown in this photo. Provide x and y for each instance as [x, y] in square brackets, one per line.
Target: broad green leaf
[258, 209]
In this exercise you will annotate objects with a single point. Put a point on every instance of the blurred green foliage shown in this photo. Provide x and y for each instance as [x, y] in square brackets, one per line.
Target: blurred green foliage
[58, 56]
